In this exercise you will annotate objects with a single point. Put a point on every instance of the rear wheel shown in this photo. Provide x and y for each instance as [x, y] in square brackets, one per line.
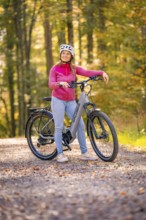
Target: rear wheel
[40, 135]
[102, 136]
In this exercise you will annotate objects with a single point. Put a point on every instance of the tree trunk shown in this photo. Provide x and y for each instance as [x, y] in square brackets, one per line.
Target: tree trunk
[80, 33]
[48, 44]
[17, 7]
[143, 35]
[23, 33]
[69, 22]
[101, 24]
[61, 31]
[90, 25]
[7, 129]
[10, 78]
[10, 66]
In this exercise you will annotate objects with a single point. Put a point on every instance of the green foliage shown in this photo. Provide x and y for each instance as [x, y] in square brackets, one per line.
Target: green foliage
[132, 139]
[108, 35]
[3, 129]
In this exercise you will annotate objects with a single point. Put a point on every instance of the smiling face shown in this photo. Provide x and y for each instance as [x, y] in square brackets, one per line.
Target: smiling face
[65, 56]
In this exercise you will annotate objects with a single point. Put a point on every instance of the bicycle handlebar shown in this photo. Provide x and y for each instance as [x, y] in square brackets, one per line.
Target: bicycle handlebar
[73, 84]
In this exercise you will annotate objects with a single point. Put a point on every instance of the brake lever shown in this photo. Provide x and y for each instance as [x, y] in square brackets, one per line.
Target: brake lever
[93, 77]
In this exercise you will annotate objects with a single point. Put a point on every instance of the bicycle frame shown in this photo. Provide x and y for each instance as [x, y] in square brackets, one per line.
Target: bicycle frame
[81, 105]
[77, 114]
[102, 134]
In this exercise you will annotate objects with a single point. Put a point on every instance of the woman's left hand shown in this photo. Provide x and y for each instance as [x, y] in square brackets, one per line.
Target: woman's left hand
[105, 77]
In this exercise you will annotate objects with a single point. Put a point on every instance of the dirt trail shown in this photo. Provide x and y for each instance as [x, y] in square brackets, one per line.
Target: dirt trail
[33, 189]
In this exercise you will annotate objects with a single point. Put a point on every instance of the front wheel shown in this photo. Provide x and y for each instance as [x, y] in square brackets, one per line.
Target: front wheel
[40, 135]
[102, 135]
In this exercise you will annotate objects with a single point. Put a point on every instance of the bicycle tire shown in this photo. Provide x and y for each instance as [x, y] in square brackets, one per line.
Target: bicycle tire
[102, 135]
[40, 128]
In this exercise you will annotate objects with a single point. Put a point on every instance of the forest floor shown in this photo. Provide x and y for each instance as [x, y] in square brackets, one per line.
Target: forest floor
[32, 189]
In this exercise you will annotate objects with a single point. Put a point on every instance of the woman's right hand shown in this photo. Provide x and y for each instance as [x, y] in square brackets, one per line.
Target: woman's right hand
[64, 84]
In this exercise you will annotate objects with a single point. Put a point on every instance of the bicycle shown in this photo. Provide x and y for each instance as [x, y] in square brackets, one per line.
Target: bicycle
[39, 129]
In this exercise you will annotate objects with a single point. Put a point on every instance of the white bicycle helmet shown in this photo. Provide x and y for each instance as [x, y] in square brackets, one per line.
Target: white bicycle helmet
[68, 48]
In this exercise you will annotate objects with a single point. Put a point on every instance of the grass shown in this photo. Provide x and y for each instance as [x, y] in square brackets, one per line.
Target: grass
[133, 140]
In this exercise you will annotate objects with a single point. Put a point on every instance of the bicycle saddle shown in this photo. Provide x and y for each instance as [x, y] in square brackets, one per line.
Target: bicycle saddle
[46, 99]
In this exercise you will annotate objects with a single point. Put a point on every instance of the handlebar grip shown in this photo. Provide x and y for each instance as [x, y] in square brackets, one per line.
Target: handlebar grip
[72, 84]
[93, 77]
[96, 78]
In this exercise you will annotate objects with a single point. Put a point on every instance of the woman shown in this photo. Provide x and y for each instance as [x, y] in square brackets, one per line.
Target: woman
[63, 98]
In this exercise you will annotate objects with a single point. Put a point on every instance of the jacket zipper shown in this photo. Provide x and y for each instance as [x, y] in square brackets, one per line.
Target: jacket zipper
[67, 81]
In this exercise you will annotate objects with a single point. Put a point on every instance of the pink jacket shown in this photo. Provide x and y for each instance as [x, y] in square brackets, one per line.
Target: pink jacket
[62, 73]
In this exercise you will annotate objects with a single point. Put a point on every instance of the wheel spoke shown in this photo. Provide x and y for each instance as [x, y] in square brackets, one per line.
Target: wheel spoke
[103, 136]
[40, 136]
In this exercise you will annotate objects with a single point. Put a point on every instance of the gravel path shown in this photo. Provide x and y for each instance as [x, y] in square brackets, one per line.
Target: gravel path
[32, 189]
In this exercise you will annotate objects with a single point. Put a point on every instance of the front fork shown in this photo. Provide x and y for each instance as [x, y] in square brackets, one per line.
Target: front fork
[104, 134]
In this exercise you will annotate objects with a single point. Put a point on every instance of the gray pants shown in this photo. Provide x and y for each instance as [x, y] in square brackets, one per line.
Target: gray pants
[59, 108]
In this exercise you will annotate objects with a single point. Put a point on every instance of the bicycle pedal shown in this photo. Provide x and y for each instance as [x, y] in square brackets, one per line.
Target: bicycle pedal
[68, 146]
[65, 149]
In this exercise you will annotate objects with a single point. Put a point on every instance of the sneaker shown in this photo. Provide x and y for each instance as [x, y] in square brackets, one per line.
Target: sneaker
[62, 158]
[87, 156]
